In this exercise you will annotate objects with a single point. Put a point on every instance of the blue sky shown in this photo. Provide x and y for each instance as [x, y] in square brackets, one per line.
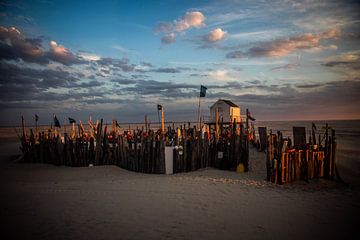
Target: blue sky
[284, 60]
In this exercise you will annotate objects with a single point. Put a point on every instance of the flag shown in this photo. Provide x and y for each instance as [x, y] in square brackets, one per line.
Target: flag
[71, 120]
[202, 91]
[36, 118]
[159, 107]
[250, 117]
[56, 122]
[117, 124]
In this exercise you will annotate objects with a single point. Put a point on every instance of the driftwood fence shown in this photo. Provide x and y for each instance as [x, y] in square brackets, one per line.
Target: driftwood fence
[140, 150]
[302, 160]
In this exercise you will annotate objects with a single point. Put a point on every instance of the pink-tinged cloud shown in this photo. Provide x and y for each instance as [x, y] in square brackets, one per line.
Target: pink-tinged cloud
[14, 46]
[59, 53]
[283, 47]
[332, 33]
[189, 20]
[168, 38]
[214, 36]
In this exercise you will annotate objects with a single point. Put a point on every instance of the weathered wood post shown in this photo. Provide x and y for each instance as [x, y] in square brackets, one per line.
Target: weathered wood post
[216, 124]
[162, 120]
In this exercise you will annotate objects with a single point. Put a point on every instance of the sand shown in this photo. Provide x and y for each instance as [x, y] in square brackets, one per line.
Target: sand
[41, 201]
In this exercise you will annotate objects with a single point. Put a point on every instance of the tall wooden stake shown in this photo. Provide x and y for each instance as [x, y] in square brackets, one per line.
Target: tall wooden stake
[216, 123]
[247, 123]
[23, 127]
[162, 120]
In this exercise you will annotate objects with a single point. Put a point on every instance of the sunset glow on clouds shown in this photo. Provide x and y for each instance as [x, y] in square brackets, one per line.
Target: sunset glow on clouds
[125, 57]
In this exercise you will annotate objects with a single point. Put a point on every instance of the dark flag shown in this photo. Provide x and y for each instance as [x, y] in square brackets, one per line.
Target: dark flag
[159, 107]
[203, 91]
[251, 117]
[56, 122]
[71, 120]
[117, 124]
[36, 118]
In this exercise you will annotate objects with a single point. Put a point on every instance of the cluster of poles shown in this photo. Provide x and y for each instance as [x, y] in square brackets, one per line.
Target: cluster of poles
[219, 145]
[302, 160]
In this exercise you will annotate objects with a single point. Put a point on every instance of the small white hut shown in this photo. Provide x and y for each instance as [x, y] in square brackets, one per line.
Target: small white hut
[227, 110]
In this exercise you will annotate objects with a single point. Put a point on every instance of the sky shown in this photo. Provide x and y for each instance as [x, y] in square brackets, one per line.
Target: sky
[282, 59]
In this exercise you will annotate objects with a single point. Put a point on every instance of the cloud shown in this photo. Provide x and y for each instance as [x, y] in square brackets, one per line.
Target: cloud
[166, 70]
[235, 54]
[259, 35]
[123, 81]
[214, 36]
[168, 38]
[283, 47]
[190, 20]
[285, 67]
[220, 75]
[163, 89]
[306, 86]
[332, 33]
[348, 63]
[59, 53]
[89, 56]
[147, 64]
[14, 46]
[122, 64]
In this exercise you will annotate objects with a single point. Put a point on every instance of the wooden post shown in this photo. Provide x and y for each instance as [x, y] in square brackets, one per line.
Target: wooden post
[162, 120]
[73, 132]
[216, 124]
[23, 127]
[247, 123]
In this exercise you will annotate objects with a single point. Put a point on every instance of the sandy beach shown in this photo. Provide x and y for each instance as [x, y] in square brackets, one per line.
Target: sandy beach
[40, 201]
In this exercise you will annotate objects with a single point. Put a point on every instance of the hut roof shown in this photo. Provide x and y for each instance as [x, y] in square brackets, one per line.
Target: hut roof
[228, 102]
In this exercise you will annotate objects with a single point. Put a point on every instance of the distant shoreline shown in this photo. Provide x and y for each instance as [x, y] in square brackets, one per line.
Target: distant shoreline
[184, 122]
